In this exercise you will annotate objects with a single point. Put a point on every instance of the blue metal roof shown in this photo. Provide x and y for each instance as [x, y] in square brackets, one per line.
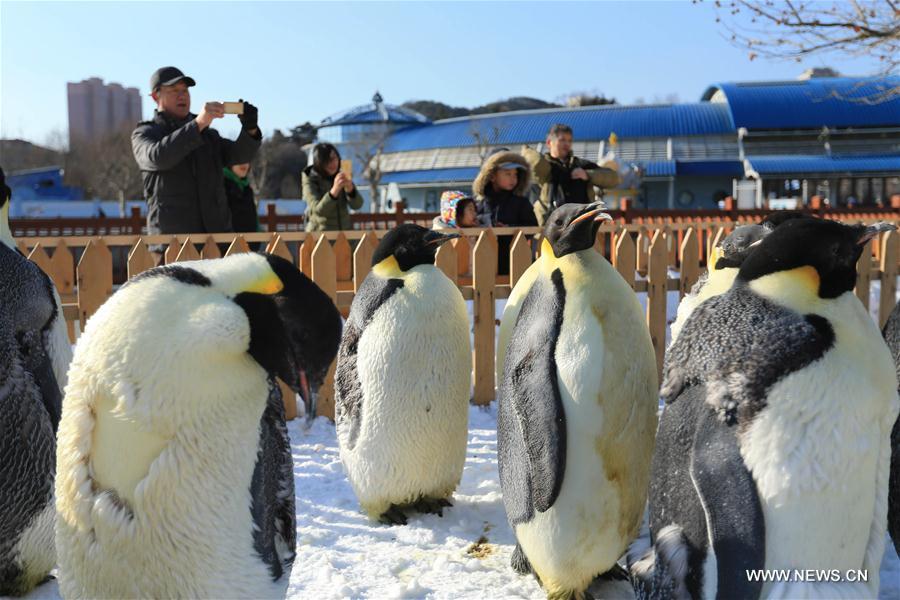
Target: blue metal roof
[659, 168]
[730, 168]
[813, 103]
[376, 113]
[589, 123]
[461, 174]
[770, 165]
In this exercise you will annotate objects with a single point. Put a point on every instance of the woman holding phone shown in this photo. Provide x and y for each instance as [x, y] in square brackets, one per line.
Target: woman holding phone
[329, 191]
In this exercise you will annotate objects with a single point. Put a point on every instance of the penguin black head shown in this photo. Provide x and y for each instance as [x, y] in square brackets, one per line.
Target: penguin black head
[573, 227]
[410, 245]
[829, 247]
[5, 191]
[295, 332]
[294, 328]
[738, 245]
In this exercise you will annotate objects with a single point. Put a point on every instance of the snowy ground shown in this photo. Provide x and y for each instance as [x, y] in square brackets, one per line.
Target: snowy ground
[464, 554]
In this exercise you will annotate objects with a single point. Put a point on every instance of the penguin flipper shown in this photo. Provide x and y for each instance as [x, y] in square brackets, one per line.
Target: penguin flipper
[348, 400]
[734, 515]
[531, 419]
[272, 490]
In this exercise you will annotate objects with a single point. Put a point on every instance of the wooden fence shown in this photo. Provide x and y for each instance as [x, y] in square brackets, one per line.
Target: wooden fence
[653, 259]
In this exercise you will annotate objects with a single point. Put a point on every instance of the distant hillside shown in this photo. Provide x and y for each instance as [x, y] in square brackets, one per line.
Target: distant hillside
[438, 110]
[16, 155]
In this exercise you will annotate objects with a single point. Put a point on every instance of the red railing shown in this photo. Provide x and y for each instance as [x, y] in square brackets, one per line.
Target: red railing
[272, 221]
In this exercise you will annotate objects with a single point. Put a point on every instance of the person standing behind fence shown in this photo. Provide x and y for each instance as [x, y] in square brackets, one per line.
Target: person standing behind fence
[329, 194]
[564, 178]
[501, 187]
[181, 158]
[457, 211]
[241, 201]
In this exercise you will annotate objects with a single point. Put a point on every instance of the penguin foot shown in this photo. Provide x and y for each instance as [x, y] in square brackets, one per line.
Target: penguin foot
[433, 506]
[519, 561]
[616, 573]
[393, 516]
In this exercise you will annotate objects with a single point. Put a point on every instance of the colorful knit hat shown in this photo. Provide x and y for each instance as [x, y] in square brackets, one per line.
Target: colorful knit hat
[449, 200]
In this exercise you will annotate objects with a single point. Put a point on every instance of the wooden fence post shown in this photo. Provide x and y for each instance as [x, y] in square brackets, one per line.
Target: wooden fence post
[40, 257]
[279, 248]
[463, 253]
[445, 260]
[139, 259]
[641, 251]
[519, 258]
[714, 240]
[890, 254]
[306, 250]
[484, 279]
[626, 257]
[62, 268]
[656, 296]
[210, 249]
[324, 275]
[690, 263]
[343, 258]
[864, 274]
[171, 251]
[187, 252]
[362, 258]
[238, 246]
[94, 279]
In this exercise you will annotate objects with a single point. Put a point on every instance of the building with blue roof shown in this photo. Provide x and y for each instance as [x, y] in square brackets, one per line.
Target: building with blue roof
[836, 137]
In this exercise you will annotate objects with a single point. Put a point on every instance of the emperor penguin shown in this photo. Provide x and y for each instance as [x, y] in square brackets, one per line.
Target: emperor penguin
[34, 357]
[577, 411]
[725, 261]
[174, 470]
[773, 446]
[403, 380]
[892, 337]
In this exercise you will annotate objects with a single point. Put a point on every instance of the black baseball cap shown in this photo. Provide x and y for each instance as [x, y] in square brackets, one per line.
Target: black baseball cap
[169, 76]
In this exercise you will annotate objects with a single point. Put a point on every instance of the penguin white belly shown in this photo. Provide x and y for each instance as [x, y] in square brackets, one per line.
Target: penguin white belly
[580, 532]
[817, 452]
[414, 368]
[184, 530]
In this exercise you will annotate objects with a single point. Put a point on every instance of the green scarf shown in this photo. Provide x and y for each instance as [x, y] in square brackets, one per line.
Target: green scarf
[242, 182]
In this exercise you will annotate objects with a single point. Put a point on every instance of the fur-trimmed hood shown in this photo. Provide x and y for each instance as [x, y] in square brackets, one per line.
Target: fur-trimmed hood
[493, 163]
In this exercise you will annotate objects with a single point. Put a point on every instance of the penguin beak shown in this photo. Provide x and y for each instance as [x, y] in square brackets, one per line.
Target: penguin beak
[872, 231]
[595, 214]
[436, 238]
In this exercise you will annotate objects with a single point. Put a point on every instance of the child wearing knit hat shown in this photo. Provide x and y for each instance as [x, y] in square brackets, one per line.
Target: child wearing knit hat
[457, 211]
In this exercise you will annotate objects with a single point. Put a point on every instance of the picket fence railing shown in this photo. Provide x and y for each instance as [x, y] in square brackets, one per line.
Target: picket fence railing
[653, 258]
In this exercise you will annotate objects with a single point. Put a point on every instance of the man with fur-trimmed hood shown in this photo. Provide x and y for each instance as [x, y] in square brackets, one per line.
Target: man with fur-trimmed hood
[501, 187]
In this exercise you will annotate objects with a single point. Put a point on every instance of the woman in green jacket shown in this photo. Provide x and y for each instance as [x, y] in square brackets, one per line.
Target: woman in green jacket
[329, 194]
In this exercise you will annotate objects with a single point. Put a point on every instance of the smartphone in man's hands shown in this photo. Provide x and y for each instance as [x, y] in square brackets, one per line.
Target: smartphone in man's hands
[234, 108]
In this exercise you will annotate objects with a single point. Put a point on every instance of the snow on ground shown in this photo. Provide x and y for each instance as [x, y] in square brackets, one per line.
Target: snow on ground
[464, 554]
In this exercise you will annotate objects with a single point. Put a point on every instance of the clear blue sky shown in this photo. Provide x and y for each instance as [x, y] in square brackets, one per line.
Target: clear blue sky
[302, 61]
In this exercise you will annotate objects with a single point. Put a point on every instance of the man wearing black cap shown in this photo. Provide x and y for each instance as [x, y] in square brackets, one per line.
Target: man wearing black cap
[181, 158]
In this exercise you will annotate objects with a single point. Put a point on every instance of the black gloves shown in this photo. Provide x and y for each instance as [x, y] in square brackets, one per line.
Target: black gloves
[249, 120]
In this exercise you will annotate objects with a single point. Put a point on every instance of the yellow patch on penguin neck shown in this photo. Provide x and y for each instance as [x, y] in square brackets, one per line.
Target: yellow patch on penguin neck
[268, 284]
[389, 268]
[797, 289]
[719, 282]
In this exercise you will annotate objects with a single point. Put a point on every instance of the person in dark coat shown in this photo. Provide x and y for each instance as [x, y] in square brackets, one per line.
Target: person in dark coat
[241, 201]
[501, 187]
[563, 177]
[181, 158]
